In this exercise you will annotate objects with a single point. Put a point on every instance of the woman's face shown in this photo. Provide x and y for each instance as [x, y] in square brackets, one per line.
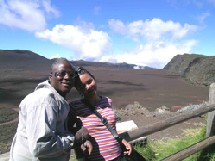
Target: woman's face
[88, 85]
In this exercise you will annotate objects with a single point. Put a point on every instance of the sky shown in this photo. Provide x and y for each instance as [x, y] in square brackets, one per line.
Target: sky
[142, 32]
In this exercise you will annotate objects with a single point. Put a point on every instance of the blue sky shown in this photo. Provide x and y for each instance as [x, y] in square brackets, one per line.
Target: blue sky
[142, 32]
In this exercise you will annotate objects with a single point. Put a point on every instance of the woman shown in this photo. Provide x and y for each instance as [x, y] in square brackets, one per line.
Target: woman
[86, 111]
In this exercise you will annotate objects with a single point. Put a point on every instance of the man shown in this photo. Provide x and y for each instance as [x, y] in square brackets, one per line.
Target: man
[42, 134]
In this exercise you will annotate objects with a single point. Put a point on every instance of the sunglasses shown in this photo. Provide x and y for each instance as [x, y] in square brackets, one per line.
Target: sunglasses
[63, 74]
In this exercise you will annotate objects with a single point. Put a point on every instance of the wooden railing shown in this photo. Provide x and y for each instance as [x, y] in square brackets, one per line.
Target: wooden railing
[164, 124]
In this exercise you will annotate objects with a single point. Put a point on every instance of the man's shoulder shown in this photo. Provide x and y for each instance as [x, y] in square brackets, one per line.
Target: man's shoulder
[40, 94]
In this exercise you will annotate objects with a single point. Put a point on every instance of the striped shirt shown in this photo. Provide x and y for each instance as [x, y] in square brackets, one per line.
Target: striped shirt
[105, 147]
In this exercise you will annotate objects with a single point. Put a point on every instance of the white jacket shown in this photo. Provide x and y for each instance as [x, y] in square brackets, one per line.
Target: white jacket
[41, 134]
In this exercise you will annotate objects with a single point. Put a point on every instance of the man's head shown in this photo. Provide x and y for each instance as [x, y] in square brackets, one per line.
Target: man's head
[61, 77]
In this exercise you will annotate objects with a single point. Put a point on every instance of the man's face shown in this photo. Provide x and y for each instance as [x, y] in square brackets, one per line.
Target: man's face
[61, 78]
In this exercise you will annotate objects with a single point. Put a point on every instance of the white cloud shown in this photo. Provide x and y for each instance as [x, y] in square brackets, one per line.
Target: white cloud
[29, 15]
[155, 55]
[117, 26]
[158, 41]
[152, 29]
[201, 18]
[48, 8]
[87, 43]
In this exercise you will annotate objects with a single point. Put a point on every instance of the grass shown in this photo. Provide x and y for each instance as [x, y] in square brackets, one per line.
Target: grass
[166, 148]
[158, 150]
[145, 150]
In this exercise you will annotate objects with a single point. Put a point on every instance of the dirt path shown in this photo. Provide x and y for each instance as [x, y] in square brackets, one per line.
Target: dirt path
[10, 122]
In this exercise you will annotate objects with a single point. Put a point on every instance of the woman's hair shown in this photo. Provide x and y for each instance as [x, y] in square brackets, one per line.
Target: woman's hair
[77, 82]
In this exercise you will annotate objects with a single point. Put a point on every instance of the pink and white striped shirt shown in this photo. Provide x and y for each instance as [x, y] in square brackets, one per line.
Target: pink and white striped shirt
[105, 147]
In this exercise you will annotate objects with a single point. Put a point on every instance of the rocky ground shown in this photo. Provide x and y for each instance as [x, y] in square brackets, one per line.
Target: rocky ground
[143, 118]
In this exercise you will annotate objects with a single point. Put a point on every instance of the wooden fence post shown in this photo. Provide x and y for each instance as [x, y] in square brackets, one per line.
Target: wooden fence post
[211, 115]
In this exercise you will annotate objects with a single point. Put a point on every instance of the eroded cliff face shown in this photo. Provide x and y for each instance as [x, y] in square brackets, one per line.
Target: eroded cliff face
[198, 69]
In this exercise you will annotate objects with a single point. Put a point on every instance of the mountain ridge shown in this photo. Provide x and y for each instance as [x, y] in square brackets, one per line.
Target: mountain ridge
[197, 69]
[8, 58]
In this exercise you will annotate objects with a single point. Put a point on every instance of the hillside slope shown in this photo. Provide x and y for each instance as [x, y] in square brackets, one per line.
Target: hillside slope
[198, 69]
[22, 64]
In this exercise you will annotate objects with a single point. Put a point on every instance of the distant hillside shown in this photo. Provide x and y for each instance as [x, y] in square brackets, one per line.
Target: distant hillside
[24, 63]
[198, 69]
[22, 58]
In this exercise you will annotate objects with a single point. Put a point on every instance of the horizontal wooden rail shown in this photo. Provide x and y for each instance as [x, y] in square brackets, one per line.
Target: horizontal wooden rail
[163, 124]
[190, 150]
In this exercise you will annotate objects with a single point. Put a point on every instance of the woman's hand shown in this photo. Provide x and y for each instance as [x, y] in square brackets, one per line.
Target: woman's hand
[127, 146]
[87, 147]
